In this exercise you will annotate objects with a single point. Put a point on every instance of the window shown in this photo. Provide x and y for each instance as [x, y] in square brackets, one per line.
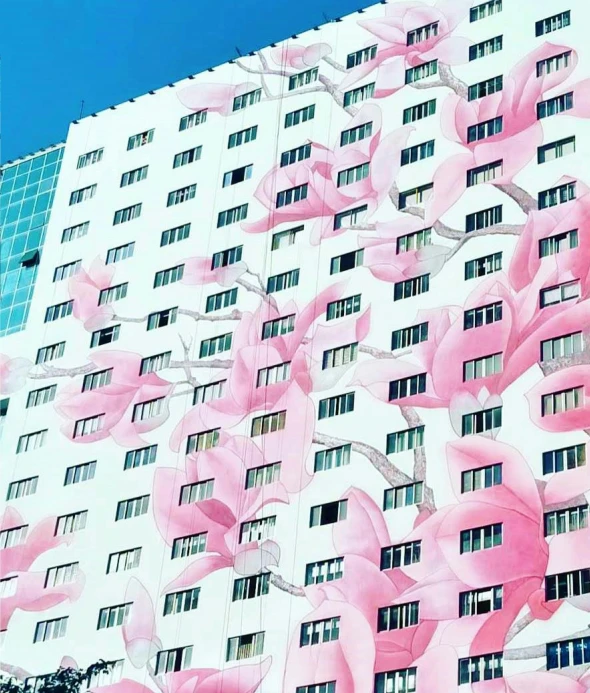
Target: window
[177, 659]
[398, 616]
[162, 318]
[140, 457]
[140, 140]
[554, 63]
[486, 9]
[153, 364]
[356, 134]
[274, 374]
[332, 458]
[149, 409]
[61, 574]
[352, 175]
[558, 104]
[208, 393]
[193, 493]
[328, 513]
[316, 632]
[419, 111]
[242, 137]
[68, 524]
[257, 530]
[268, 423]
[263, 475]
[105, 336]
[482, 367]
[564, 458]
[82, 194]
[178, 233]
[481, 421]
[168, 276]
[409, 439]
[90, 158]
[227, 257]
[121, 252]
[294, 155]
[215, 345]
[324, 571]
[112, 616]
[568, 520]
[347, 261]
[415, 74]
[251, 587]
[480, 538]
[205, 440]
[359, 94]
[402, 496]
[283, 239]
[67, 270]
[133, 507]
[557, 196]
[334, 406]
[41, 396]
[244, 646]
[280, 282]
[566, 585]
[181, 195]
[400, 554]
[481, 477]
[127, 214]
[558, 243]
[301, 115]
[484, 174]
[135, 176]
[51, 630]
[231, 216]
[422, 33]
[350, 217]
[417, 152]
[406, 387]
[416, 196]
[292, 195]
[485, 88]
[568, 653]
[13, 536]
[361, 56]
[343, 307]
[303, 78]
[411, 287]
[79, 473]
[481, 668]
[402, 681]
[328, 687]
[485, 315]
[49, 353]
[193, 119]
[22, 487]
[560, 293]
[555, 150]
[409, 336]
[482, 601]
[278, 326]
[112, 293]
[565, 400]
[245, 100]
[86, 427]
[414, 240]
[59, 310]
[483, 219]
[483, 265]
[178, 602]
[123, 560]
[187, 157]
[73, 232]
[481, 131]
[238, 175]
[557, 21]
[487, 47]
[31, 441]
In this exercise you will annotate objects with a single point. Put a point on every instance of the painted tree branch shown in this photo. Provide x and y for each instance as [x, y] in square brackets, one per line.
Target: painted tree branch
[257, 290]
[281, 584]
[214, 363]
[413, 420]
[234, 315]
[186, 347]
[519, 626]
[337, 95]
[334, 63]
[522, 198]
[538, 651]
[53, 372]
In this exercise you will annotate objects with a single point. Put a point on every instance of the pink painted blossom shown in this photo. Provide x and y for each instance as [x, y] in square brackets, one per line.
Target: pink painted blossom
[85, 288]
[218, 98]
[139, 630]
[300, 57]
[560, 419]
[199, 271]
[13, 373]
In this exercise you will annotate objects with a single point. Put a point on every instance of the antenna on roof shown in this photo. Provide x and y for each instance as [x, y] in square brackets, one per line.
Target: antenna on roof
[239, 52]
[326, 17]
[81, 109]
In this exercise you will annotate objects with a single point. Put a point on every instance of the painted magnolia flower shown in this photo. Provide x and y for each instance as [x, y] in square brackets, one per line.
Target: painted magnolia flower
[199, 271]
[300, 57]
[13, 373]
[569, 409]
[218, 98]
[85, 288]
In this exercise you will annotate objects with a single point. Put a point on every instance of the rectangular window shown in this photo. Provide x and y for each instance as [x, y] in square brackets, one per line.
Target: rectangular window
[257, 530]
[402, 681]
[303, 78]
[347, 261]
[179, 602]
[177, 659]
[422, 33]
[485, 9]
[487, 47]
[187, 157]
[90, 158]
[406, 387]
[409, 336]
[82, 194]
[402, 496]
[283, 239]
[483, 265]
[332, 458]
[411, 287]
[316, 632]
[132, 507]
[419, 111]
[568, 653]
[409, 439]
[59, 310]
[148, 410]
[335, 406]
[481, 131]
[22, 488]
[227, 257]
[328, 513]
[559, 294]
[124, 560]
[324, 571]
[356, 134]
[301, 115]
[126, 214]
[481, 601]
[415, 74]
[193, 493]
[485, 315]
[41, 396]
[485, 88]
[153, 364]
[484, 219]
[562, 347]
[73, 232]
[480, 538]
[178, 233]
[568, 520]
[112, 293]
[343, 307]
[263, 475]
[31, 441]
[557, 196]
[13, 536]
[553, 23]
[359, 94]
[119, 253]
[349, 218]
[193, 119]
[168, 276]
[140, 140]
[327, 687]
[565, 400]
[280, 282]
[416, 196]
[398, 616]
[67, 270]
[135, 176]
[248, 99]
[238, 175]
[61, 574]
[268, 423]
[294, 155]
[564, 458]
[105, 336]
[189, 545]
[86, 427]
[79, 473]
[181, 195]
[205, 440]
[242, 137]
[352, 175]
[68, 524]
[113, 616]
[278, 326]
[215, 345]
[49, 353]
[400, 554]
[484, 174]
[567, 585]
[140, 457]
[251, 587]
[162, 318]
[481, 421]
[558, 243]
[361, 56]
[274, 374]
[244, 646]
[292, 195]
[50, 630]
[481, 477]
[554, 63]
[482, 367]
[482, 668]
[417, 152]
[555, 150]
[558, 104]
[208, 393]
[414, 241]
[231, 216]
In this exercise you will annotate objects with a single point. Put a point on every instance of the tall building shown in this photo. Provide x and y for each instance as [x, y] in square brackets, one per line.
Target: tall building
[303, 397]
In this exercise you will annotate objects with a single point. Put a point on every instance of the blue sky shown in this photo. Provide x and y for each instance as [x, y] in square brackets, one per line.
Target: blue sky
[56, 53]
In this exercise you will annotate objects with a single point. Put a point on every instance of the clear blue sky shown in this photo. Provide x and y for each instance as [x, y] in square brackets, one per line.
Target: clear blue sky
[56, 53]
